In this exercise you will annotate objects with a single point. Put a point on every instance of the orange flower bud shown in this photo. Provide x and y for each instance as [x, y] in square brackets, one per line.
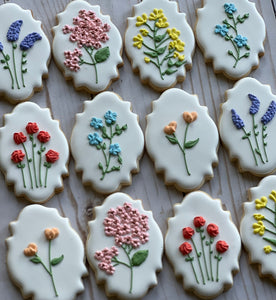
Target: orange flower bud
[31, 250]
[51, 233]
[190, 117]
[170, 129]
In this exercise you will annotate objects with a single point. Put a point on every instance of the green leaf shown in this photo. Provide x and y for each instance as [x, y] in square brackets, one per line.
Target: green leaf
[180, 63]
[3, 61]
[100, 166]
[247, 47]
[265, 135]
[120, 161]
[189, 259]
[246, 54]
[245, 16]
[191, 144]
[104, 146]
[115, 168]
[170, 71]
[161, 50]
[5, 67]
[14, 46]
[172, 139]
[151, 54]
[102, 55]
[24, 62]
[7, 57]
[117, 127]
[36, 260]
[160, 37]
[57, 260]
[99, 147]
[230, 52]
[170, 63]
[24, 71]
[124, 127]
[30, 160]
[139, 257]
[24, 54]
[272, 241]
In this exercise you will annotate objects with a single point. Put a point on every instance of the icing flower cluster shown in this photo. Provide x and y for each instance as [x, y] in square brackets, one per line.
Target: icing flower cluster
[163, 45]
[32, 249]
[111, 150]
[204, 265]
[18, 156]
[89, 33]
[188, 117]
[229, 32]
[266, 223]
[26, 44]
[130, 230]
[258, 148]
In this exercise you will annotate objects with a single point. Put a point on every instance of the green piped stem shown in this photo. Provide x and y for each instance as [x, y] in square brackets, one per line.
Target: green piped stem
[264, 143]
[90, 53]
[8, 68]
[14, 46]
[40, 163]
[50, 268]
[22, 173]
[29, 167]
[256, 140]
[184, 152]
[46, 177]
[22, 74]
[204, 257]
[198, 260]
[33, 154]
[193, 268]
[218, 260]
[210, 257]
[251, 147]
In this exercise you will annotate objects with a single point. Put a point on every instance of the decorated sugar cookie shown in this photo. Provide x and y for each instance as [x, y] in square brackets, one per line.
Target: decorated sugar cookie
[33, 152]
[182, 140]
[24, 53]
[124, 247]
[247, 126]
[203, 245]
[231, 36]
[258, 226]
[45, 257]
[159, 43]
[107, 143]
[87, 46]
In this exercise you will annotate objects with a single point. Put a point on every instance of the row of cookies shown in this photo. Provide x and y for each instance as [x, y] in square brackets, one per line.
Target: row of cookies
[87, 46]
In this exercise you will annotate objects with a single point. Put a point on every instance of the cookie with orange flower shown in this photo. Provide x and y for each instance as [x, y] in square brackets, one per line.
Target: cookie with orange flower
[203, 245]
[182, 140]
[33, 152]
[159, 43]
[45, 255]
[258, 226]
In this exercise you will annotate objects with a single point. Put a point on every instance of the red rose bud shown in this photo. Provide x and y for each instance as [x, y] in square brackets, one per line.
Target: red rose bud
[52, 156]
[32, 128]
[17, 156]
[187, 232]
[199, 221]
[185, 248]
[43, 136]
[222, 246]
[19, 138]
[212, 229]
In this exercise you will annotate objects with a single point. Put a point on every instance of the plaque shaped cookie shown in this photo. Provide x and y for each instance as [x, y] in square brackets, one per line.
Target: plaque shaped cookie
[182, 140]
[258, 226]
[87, 46]
[124, 247]
[33, 152]
[24, 53]
[45, 256]
[247, 126]
[107, 143]
[231, 36]
[159, 43]
[203, 245]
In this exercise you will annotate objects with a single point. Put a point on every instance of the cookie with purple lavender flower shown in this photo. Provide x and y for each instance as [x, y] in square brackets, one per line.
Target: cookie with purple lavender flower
[124, 247]
[24, 53]
[247, 126]
[87, 47]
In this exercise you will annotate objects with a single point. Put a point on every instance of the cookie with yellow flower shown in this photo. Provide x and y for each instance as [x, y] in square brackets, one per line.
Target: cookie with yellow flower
[258, 226]
[159, 43]
[182, 140]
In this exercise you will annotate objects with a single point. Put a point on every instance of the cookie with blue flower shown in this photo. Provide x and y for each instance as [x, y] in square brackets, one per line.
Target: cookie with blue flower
[24, 53]
[231, 36]
[107, 143]
[247, 126]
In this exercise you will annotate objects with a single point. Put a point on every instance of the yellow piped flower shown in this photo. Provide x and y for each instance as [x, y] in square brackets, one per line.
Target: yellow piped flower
[176, 54]
[138, 39]
[181, 57]
[258, 217]
[259, 228]
[179, 45]
[141, 20]
[173, 33]
[147, 59]
[267, 249]
[156, 14]
[272, 195]
[261, 203]
[144, 31]
[162, 23]
[171, 45]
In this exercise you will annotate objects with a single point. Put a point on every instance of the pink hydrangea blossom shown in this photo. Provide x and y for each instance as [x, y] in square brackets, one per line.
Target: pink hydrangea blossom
[72, 59]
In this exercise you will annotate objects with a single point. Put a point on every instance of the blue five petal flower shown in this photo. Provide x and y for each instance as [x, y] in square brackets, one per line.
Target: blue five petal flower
[114, 149]
[229, 8]
[222, 30]
[110, 117]
[94, 139]
[96, 123]
[240, 40]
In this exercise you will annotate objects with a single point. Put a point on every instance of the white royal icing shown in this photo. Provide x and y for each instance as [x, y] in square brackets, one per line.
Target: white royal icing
[149, 73]
[201, 204]
[87, 156]
[144, 275]
[255, 243]
[32, 278]
[37, 57]
[16, 122]
[214, 45]
[239, 148]
[168, 157]
[85, 77]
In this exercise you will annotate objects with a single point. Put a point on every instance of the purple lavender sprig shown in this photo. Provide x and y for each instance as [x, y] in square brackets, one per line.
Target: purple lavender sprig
[266, 118]
[25, 45]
